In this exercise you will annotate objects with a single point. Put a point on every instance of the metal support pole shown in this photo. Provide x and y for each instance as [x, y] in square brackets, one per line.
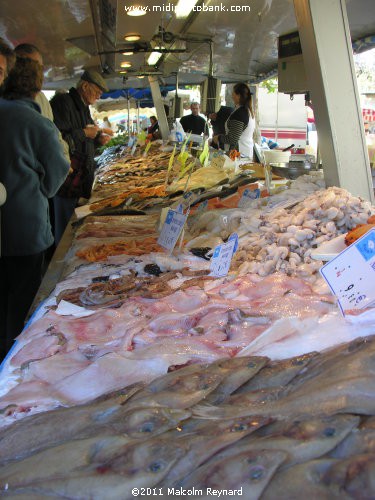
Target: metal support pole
[129, 132]
[327, 52]
[160, 111]
[138, 123]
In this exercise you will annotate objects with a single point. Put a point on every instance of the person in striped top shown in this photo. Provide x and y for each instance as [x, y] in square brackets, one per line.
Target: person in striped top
[239, 127]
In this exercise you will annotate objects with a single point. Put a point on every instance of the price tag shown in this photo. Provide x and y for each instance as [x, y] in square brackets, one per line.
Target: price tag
[171, 229]
[351, 275]
[222, 257]
[133, 149]
[131, 141]
[247, 196]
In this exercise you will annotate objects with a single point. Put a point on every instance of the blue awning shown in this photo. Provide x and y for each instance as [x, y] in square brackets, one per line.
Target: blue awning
[144, 96]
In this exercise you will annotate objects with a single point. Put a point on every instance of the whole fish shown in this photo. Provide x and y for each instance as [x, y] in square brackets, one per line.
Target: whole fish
[353, 395]
[277, 373]
[248, 472]
[109, 475]
[239, 371]
[182, 388]
[205, 440]
[52, 427]
[304, 480]
[303, 440]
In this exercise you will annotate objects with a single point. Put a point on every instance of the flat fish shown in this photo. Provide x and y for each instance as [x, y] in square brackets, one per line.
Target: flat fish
[249, 471]
[239, 371]
[304, 479]
[277, 373]
[109, 475]
[302, 440]
[205, 440]
[37, 432]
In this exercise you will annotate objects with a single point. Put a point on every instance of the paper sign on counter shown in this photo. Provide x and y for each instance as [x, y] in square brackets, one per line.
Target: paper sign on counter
[222, 257]
[171, 229]
[351, 275]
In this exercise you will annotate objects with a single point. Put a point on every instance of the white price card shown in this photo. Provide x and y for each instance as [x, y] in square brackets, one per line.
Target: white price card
[247, 196]
[351, 275]
[222, 257]
[171, 229]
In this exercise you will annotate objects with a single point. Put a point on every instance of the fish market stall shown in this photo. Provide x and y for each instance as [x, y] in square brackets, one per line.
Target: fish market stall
[147, 369]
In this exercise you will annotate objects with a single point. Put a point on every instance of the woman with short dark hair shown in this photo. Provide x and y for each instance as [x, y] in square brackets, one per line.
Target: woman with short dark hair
[32, 169]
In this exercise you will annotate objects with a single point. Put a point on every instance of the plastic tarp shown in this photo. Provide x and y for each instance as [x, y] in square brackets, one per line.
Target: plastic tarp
[144, 96]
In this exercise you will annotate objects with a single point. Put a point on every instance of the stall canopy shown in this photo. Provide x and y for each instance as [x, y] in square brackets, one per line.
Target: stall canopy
[142, 95]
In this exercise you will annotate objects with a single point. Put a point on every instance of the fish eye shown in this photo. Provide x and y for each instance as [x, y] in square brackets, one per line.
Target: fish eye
[155, 467]
[329, 431]
[256, 473]
[238, 427]
[147, 427]
[251, 364]
[298, 362]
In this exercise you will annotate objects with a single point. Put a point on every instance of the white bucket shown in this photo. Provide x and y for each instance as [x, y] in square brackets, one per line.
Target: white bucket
[272, 156]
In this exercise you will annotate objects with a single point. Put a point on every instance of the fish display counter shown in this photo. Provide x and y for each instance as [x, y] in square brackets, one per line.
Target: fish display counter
[145, 371]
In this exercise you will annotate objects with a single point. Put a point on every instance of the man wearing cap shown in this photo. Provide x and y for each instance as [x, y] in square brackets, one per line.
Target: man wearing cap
[73, 119]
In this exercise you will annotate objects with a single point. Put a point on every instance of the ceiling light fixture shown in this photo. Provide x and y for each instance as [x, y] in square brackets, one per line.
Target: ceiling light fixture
[136, 10]
[127, 53]
[154, 57]
[122, 72]
[125, 64]
[184, 7]
[141, 76]
[132, 37]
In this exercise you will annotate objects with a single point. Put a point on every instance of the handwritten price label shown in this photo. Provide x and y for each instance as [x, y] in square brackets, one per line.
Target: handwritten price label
[222, 257]
[351, 275]
[171, 229]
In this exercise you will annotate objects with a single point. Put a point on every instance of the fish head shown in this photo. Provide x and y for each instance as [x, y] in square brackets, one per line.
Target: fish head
[355, 476]
[326, 428]
[145, 422]
[153, 458]
[242, 363]
[250, 469]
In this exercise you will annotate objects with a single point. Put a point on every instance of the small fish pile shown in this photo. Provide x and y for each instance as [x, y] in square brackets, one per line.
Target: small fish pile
[117, 226]
[101, 251]
[248, 441]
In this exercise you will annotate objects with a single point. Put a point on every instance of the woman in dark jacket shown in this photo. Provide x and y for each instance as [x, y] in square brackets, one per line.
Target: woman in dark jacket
[32, 169]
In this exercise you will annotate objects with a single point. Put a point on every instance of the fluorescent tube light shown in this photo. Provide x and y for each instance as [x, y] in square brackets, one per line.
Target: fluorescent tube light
[184, 7]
